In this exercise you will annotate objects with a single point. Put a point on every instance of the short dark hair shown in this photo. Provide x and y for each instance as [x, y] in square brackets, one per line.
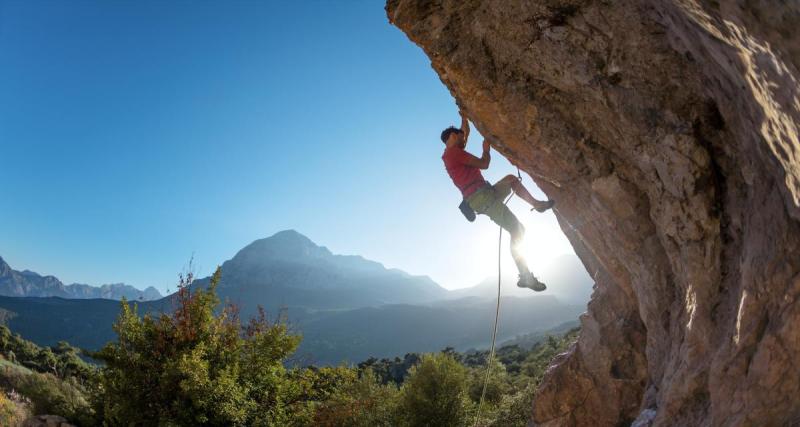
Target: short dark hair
[446, 133]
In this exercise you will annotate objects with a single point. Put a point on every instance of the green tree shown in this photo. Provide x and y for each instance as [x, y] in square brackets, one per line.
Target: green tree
[496, 386]
[47, 361]
[435, 392]
[197, 367]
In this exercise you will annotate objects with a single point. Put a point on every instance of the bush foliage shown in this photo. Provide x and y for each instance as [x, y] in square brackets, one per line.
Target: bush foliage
[195, 367]
[435, 392]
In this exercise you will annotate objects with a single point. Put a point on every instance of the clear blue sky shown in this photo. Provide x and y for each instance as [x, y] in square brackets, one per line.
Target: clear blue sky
[135, 134]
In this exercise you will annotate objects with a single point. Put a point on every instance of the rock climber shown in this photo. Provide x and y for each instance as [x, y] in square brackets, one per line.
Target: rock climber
[484, 198]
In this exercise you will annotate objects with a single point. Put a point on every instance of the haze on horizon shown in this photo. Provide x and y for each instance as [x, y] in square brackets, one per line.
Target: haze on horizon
[137, 135]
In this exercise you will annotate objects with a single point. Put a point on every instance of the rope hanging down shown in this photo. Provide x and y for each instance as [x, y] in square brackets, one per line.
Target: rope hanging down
[496, 313]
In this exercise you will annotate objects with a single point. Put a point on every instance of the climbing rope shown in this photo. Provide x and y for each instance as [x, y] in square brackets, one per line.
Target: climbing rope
[496, 313]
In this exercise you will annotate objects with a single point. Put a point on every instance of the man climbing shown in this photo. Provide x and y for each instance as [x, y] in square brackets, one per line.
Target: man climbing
[488, 199]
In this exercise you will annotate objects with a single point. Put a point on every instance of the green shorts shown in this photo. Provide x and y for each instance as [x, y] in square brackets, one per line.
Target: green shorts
[488, 200]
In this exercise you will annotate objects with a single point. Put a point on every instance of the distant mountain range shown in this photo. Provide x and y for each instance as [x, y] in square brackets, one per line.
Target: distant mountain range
[346, 307]
[29, 284]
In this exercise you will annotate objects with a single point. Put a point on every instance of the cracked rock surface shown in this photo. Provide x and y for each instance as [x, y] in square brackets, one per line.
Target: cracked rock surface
[667, 132]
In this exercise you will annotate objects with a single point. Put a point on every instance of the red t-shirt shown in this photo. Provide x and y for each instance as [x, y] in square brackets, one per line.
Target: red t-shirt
[467, 178]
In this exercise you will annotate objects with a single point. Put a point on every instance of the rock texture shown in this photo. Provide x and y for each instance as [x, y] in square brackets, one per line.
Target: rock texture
[667, 132]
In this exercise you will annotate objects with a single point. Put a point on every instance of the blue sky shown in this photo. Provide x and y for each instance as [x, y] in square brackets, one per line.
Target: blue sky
[135, 134]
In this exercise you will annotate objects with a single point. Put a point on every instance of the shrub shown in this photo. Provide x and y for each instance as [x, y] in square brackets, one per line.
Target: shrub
[195, 367]
[13, 411]
[435, 392]
[364, 402]
[496, 387]
[48, 394]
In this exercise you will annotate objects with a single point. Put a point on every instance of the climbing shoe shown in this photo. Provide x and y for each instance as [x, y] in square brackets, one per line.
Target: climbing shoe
[531, 282]
[544, 206]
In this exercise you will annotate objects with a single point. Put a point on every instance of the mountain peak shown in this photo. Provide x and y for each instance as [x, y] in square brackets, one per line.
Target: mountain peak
[290, 235]
[284, 245]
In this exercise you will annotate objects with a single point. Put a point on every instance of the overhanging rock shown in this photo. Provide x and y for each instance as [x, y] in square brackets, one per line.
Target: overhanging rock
[667, 132]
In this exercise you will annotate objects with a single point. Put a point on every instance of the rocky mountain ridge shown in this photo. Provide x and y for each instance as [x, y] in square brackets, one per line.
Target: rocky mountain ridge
[27, 283]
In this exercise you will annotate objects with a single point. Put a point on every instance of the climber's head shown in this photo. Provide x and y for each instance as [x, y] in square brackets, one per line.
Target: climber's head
[453, 136]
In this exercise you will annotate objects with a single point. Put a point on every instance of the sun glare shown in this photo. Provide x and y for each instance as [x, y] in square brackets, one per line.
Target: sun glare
[542, 245]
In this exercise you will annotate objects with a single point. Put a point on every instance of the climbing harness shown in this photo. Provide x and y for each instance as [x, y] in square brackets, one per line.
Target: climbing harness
[496, 313]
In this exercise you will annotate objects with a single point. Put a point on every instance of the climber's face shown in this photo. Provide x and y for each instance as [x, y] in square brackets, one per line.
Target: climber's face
[456, 138]
[462, 142]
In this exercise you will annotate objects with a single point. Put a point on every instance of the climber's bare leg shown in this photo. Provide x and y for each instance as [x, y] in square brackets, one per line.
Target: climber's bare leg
[525, 195]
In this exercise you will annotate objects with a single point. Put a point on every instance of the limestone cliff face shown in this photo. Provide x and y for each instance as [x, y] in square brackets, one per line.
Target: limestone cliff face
[667, 132]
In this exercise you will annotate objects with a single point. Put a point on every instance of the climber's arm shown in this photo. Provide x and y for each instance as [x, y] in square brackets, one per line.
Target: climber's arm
[464, 125]
[483, 161]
